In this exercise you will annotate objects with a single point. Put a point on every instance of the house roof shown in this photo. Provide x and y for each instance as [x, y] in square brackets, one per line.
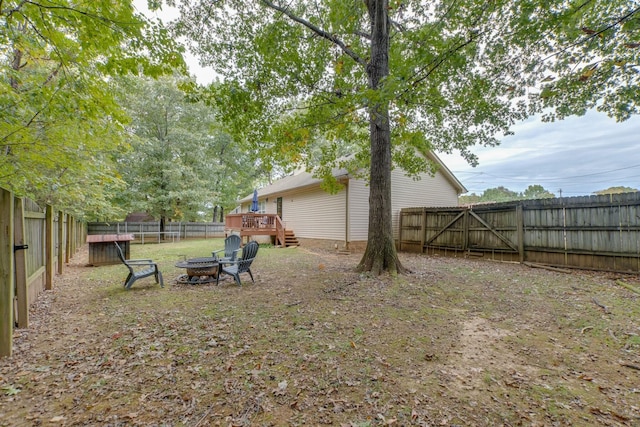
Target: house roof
[305, 179]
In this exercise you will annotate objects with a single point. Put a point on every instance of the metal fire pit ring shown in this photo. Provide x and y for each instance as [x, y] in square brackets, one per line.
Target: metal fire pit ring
[199, 271]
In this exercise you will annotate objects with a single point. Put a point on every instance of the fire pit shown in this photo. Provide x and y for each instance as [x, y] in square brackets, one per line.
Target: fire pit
[199, 270]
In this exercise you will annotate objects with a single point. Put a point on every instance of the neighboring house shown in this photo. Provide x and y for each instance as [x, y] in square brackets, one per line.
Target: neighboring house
[342, 218]
[139, 217]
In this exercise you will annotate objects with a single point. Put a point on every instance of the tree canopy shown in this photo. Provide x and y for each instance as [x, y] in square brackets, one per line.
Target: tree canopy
[59, 123]
[181, 164]
[395, 77]
[503, 194]
[616, 190]
[537, 192]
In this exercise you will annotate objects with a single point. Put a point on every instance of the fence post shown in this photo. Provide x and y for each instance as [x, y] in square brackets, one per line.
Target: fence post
[22, 291]
[61, 242]
[399, 247]
[67, 242]
[49, 251]
[423, 230]
[6, 272]
[465, 229]
[520, 225]
[72, 237]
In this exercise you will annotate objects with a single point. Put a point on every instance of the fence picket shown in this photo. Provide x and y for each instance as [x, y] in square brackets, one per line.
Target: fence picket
[28, 246]
[593, 232]
[173, 230]
[6, 272]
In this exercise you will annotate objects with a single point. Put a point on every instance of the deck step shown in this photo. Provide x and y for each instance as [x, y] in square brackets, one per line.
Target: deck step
[290, 239]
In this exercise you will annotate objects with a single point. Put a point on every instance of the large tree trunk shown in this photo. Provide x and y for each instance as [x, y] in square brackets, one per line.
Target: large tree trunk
[163, 220]
[380, 254]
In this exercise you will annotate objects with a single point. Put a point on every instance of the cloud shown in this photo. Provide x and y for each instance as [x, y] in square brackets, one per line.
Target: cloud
[579, 155]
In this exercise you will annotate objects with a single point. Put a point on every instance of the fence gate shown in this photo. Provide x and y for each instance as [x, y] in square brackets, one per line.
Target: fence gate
[595, 232]
[468, 231]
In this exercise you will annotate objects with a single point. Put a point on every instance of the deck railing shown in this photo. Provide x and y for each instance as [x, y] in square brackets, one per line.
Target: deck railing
[256, 224]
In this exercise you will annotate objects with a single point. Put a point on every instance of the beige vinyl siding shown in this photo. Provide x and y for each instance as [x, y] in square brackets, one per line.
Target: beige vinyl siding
[358, 210]
[405, 192]
[272, 207]
[315, 214]
[427, 192]
[312, 213]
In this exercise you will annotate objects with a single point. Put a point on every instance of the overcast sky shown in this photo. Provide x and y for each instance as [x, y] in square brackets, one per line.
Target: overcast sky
[579, 155]
[573, 157]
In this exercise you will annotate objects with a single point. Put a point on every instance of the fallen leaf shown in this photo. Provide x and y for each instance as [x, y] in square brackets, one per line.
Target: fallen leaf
[282, 388]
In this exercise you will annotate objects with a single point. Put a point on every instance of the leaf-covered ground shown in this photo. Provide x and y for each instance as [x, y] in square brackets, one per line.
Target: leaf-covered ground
[456, 343]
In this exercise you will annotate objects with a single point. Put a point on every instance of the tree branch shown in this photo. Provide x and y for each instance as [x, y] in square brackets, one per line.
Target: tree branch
[596, 33]
[320, 32]
[10, 12]
[32, 119]
[363, 34]
[433, 65]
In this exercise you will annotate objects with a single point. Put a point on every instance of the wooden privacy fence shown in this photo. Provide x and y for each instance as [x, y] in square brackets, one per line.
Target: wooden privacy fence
[593, 232]
[148, 232]
[34, 243]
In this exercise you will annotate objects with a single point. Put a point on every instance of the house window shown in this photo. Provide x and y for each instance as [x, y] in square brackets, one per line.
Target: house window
[262, 207]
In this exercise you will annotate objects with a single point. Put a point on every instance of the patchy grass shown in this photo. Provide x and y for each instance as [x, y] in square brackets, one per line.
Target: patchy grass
[456, 342]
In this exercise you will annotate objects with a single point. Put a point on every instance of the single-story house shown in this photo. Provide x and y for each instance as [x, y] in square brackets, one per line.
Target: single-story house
[342, 219]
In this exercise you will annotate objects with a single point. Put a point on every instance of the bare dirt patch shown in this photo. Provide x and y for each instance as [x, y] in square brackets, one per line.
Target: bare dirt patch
[456, 342]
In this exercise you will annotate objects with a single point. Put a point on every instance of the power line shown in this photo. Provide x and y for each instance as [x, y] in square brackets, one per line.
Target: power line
[547, 179]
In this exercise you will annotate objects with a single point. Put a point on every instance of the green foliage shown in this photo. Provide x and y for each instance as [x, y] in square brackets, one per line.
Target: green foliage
[502, 194]
[597, 65]
[616, 190]
[460, 74]
[59, 124]
[10, 390]
[537, 192]
[181, 163]
[413, 76]
[499, 194]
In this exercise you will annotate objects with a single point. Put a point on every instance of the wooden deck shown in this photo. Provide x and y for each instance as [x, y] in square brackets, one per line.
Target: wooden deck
[256, 224]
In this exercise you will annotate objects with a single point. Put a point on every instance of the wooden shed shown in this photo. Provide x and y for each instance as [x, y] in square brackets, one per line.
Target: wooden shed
[102, 250]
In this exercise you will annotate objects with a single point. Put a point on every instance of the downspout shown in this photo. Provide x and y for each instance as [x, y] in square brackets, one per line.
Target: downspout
[348, 219]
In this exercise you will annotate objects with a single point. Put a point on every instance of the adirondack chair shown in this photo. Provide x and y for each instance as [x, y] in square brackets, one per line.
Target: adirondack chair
[231, 246]
[241, 265]
[139, 268]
